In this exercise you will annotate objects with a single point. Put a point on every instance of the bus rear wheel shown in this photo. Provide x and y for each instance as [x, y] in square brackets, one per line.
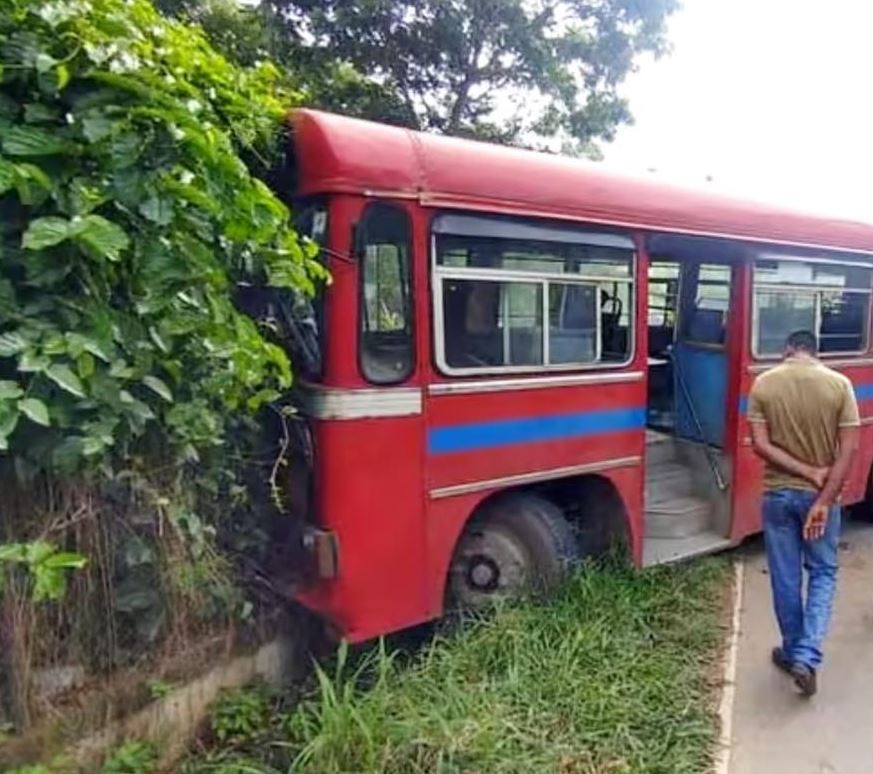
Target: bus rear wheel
[518, 543]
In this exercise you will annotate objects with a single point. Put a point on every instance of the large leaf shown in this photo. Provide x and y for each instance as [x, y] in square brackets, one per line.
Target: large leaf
[103, 237]
[65, 560]
[8, 422]
[159, 387]
[86, 365]
[11, 344]
[35, 410]
[40, 113]
[64, 377]
[99, 236]
[7, 176]
[8, 305]
[12, 552]
[38, 551]
[92, 446]
[32, 184]
[31, 362]
[157, 209]
[10, 390]
[80, 343]
[97, 126]
[46, 232]
[20, 140]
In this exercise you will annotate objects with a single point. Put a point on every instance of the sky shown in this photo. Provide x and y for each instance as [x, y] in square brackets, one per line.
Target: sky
[771, 99]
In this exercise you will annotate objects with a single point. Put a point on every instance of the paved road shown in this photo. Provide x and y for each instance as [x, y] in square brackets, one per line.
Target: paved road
[774, 730]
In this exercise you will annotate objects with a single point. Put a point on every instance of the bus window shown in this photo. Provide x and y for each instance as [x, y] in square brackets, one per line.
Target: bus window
[778, 315]
[573, 322]
[492, 323]
[386, 343]
[663, 296]
[830, 299]
[706, 317]
[516, 295]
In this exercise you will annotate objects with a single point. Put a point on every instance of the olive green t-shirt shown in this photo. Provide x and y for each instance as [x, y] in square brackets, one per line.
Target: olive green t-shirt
[804, 404]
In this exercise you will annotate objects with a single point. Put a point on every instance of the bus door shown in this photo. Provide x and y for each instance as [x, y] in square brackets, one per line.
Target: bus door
[699, 358]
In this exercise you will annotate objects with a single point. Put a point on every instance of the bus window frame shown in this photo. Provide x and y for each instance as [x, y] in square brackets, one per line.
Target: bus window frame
[410, 305]
[754, 286]
[680, 335]
[440, 273]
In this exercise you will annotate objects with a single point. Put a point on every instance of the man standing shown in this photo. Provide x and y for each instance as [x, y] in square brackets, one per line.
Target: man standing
[804, 421]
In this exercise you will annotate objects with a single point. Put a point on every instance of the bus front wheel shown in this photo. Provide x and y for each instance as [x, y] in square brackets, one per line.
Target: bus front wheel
[519, 542]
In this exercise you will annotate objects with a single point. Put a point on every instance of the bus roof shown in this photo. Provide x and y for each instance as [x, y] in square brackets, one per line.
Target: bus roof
[340, 154]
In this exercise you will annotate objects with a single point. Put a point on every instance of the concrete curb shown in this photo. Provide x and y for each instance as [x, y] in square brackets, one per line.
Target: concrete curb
[721, 763]
[173, 721]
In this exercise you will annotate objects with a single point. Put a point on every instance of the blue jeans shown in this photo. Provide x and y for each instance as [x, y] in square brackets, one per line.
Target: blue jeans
[803, 628]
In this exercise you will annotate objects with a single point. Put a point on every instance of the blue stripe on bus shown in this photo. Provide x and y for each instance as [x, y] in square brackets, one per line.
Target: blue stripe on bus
[862, 392]
[507, 432]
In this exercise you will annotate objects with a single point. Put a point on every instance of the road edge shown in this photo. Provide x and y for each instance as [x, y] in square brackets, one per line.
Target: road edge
[722, 759]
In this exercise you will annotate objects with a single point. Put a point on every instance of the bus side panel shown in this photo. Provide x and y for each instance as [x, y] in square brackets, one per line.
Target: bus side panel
[474, 438]
[862, 379]
[369, 484]
[748, 484]
[447, 517]
[749, 470]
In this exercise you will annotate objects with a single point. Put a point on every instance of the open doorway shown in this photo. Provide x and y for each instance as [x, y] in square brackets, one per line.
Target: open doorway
[689, 316]
[662, 316]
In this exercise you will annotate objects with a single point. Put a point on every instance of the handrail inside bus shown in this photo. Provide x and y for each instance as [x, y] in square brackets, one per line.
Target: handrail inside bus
[710, 457]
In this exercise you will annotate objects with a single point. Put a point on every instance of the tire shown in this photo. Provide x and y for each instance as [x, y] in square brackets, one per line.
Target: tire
[518, 543]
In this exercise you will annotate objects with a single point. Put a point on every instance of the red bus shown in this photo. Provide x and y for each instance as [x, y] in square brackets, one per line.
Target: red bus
[525, 359]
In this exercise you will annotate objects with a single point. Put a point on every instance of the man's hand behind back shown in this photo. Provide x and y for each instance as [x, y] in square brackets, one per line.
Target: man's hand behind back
[819, 476]
[816, 521]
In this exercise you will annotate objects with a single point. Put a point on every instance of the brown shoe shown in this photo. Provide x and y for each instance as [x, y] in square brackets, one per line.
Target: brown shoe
[780, 661]
[804, 679]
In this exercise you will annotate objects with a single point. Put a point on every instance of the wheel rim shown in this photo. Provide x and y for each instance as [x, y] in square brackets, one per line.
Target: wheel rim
[491, 564]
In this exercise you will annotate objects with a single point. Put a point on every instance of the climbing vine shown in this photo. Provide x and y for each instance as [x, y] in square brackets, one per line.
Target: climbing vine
[127, 217]
[132, 209]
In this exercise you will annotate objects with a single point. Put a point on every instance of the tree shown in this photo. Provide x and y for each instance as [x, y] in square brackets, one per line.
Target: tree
[248, 34]
[516, 71]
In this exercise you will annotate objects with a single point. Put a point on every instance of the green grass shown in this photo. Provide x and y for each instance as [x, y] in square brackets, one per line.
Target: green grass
[612, 676]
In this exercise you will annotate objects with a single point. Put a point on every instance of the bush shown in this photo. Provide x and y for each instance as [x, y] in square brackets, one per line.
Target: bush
[131, 209]
[128, 216]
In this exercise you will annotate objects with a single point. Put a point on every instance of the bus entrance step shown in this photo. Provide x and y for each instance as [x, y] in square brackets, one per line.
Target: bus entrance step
[667, 550]
[660, 448]
[679, 517]
[668, 481]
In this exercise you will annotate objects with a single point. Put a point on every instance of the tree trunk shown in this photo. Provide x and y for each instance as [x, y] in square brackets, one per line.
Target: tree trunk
[454, 122]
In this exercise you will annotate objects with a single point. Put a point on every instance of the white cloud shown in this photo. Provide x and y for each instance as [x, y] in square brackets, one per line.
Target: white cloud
[771, 98]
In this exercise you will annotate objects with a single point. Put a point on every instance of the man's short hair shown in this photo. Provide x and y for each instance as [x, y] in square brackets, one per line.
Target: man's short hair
[803, 340]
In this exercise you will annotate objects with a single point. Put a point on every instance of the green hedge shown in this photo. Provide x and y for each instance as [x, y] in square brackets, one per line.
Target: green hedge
[131, 208]
[127, 216]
